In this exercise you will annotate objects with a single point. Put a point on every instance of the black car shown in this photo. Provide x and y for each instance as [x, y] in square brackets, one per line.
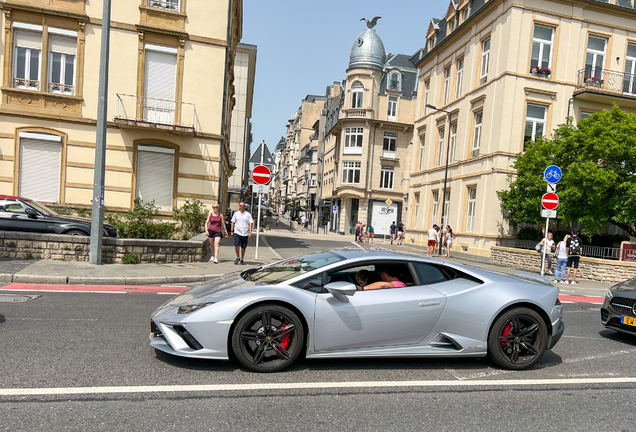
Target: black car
[23, 214]
[619, 308]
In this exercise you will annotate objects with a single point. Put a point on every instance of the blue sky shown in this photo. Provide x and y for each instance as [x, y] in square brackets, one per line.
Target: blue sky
[303, 46]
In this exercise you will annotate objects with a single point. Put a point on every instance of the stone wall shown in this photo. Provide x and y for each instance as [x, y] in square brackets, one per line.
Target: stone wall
[593, 269]
[24, 245]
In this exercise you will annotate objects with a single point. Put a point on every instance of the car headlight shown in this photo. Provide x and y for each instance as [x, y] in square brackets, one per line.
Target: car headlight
[186, 309]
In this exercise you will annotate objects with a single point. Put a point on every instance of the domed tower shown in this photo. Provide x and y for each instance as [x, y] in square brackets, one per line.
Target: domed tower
[368, 49]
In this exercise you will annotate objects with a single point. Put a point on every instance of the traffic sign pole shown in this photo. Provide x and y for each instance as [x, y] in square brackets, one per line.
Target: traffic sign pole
[258, 220]
[545, 237]
[549, 201]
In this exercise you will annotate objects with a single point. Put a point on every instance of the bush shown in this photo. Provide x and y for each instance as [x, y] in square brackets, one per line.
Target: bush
[138, 222]
[528, 233]
[130, 258]
[191, 217]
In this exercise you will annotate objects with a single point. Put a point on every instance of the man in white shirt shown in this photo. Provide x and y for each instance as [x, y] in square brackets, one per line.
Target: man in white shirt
[242, 224]
[548, 246]
[432, 239]
[303, 221]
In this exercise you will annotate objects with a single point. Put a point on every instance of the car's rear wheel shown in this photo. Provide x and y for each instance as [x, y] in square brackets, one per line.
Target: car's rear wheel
[268, 338]
[518, 339]
[75, 233]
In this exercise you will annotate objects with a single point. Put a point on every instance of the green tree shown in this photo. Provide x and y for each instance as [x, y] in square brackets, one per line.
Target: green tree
[598, 159]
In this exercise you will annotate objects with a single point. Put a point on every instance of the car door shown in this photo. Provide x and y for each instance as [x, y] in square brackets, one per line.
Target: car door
[13, 217]
[384, 317]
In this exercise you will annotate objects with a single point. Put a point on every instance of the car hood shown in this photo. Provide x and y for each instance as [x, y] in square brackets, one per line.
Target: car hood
[215, 290]
[626, 289]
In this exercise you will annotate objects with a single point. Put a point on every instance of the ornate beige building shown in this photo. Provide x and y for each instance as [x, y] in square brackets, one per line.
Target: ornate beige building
[507, 71]
[170, 100]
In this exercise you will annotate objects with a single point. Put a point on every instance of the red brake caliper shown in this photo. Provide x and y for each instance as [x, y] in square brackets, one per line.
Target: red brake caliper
[505, 332]
[284, 342]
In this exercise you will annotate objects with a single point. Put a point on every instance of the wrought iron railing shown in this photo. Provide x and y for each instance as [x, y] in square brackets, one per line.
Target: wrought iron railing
[232, 156]
[26, 83]
[156, 111]
[171, 5]
[586, 251]
[606, 80]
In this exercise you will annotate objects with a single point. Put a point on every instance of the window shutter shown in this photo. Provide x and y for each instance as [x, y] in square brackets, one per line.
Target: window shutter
[536, 111]
[63, 45]
[160, 86]
[40, 169]
[155, 175]
[28, 39]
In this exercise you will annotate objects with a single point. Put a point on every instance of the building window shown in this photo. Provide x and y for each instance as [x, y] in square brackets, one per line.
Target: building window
[427, 91]
[435, 209]
[353, 140]
[171, 5]
[440, 148]
[392, 107]
[62, 57]
[535, 122]
[447, 78]
[40, 166]
[584, 115]
[464, 15]
[470, 214]
[422, 148]
[542, 47]
[416, 210]
[630, 70]
[386, 177]
[27, 55]
[595, 57]
[155, 175]
[453, 143]
[160, 84]
[389, 145]
[394, 81]
[446, 208]
[351, 172]
[357, 94]
[460, 77]
[477, 134]
[485, 58]
[313, 180]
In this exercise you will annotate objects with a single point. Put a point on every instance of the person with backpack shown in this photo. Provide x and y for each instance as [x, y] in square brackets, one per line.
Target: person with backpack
[573, 246]
[561, 256]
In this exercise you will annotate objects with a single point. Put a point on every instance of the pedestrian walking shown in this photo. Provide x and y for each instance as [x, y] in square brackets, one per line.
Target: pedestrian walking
[242, 224]
[561, 256]
[547, 245]
[393, 230]
[303, 221]
[449, 240]
[371, 233]
[432, 236]
[358, 227]
[400, 234]
[573, 246]
[276, 218]
[215, 230]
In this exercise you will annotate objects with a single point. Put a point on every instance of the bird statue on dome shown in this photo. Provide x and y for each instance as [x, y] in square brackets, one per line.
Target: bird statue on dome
[372, 23]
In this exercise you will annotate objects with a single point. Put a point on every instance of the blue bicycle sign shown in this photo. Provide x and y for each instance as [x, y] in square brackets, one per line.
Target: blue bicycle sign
[552, 174]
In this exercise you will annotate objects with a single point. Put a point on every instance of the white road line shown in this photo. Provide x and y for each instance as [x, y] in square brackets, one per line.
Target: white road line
[309, 385]
[356, 244]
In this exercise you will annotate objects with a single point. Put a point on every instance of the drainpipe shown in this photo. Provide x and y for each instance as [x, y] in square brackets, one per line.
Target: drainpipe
[225, 94]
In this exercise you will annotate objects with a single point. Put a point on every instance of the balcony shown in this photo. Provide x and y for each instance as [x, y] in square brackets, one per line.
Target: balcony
[139, 111]
[232, 157]
[358, 113]
[170, 5]
[606, 81]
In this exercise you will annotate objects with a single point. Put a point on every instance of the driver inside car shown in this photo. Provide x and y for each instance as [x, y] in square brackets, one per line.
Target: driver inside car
[390, 279]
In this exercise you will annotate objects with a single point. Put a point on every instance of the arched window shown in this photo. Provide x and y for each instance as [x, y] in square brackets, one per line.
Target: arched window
[395, 80]
[357, 94]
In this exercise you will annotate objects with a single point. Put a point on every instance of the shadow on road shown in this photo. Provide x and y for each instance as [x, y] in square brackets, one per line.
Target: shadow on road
[618, 337]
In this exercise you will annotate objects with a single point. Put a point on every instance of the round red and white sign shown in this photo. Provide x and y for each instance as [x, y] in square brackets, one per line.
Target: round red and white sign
[261, 174]
[550, 201]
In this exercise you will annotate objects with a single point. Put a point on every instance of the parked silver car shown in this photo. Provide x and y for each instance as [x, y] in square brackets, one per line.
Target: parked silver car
[313, 305]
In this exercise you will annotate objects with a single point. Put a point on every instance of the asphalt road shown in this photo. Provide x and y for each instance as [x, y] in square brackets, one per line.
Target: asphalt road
[62, 340]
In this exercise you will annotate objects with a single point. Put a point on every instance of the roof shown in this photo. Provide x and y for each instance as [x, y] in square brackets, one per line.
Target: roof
[401, 60]
[367, 51]
[314, 98]
[10, 197]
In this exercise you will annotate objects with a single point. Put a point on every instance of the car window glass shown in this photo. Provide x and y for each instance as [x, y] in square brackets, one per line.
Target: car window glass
[371, 272]
[429, 274]
[313, 284]
[293, 267]
[11, 207]
[42, 209]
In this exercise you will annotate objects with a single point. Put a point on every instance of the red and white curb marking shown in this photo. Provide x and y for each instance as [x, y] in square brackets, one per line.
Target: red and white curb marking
[110, 289]
[581, 299]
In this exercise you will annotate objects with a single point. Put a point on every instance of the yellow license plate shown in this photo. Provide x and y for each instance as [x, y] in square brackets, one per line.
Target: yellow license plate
[628, 321]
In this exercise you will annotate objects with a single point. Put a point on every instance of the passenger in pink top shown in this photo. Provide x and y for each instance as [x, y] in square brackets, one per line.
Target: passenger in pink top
[390, 279]
[215, 229]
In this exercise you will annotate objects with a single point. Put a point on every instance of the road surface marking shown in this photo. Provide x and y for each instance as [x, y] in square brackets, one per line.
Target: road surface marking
[108, 289]
[581, 299]
[356, 244]
[311, 385]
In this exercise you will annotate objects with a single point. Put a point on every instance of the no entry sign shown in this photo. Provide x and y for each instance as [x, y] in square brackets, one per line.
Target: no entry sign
[550, 201]
[261, 174]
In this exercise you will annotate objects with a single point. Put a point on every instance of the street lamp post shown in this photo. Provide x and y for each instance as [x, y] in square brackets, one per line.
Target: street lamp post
[448, 120]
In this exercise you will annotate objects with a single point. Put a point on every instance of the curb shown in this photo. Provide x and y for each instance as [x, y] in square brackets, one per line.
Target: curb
[104, 280]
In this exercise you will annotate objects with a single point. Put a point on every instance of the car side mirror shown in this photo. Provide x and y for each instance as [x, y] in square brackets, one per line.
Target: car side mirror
[340, 290]
[31, 213]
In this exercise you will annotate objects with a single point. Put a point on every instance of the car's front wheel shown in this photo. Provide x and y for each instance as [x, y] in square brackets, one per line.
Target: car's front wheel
[76, 233]
[268, 338]
[518, 339]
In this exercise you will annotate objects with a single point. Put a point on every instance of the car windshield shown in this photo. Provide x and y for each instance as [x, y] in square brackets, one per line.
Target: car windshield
[42, 209]
[290, 268]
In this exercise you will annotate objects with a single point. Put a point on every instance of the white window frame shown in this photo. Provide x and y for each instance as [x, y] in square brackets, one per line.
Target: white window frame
[427, 92]
[446, 208]
[62, 66]
[440, 147]
[453, 143]
[399, 81]
[350, 167]
[470, 211]
[357, 95]
[460, 77]
[387, 177]
[392, 107]
[630, 89]
[542, 44]
[485, 60]
[447, 77]
[27, 59]
[389, 145]
[435, 209]
[595, 55]
[479, 116]
[416, 210]
[422, 150]
[354, 136]
[536, 121]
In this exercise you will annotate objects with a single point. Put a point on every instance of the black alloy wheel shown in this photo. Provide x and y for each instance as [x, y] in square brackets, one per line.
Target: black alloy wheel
[268, 338]
[518, 339]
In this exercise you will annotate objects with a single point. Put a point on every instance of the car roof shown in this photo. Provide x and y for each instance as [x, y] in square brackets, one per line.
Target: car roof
[10, 197]
[356, 252]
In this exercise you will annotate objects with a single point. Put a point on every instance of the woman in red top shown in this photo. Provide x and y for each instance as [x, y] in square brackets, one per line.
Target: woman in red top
[215, 229]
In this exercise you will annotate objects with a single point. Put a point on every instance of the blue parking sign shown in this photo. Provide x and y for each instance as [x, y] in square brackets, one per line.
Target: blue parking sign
[335, 209]
[552, 174]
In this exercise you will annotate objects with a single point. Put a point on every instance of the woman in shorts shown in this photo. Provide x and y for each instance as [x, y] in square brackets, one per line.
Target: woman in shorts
[215, 229]
[449, 240]
[400, 234]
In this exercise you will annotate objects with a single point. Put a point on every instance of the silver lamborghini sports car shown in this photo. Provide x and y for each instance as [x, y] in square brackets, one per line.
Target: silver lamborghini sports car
[316, 306]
